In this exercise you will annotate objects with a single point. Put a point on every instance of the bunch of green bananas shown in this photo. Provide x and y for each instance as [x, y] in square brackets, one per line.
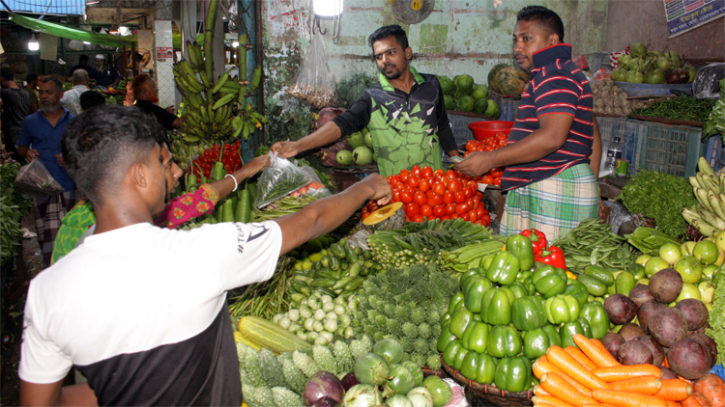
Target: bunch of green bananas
[211, 105]
[708, 216]
[184, 152]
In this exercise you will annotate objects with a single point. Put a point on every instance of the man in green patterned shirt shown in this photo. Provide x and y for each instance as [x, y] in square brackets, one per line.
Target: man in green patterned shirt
[405, 112]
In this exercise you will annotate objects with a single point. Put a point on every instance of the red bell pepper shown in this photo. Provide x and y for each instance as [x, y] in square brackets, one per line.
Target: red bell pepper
[552, 256]
[538, 240]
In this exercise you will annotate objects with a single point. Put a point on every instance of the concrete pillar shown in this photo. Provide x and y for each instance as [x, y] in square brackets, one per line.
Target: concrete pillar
[163, 62]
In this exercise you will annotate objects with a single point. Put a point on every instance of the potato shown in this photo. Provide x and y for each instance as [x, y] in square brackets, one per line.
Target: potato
[640, 294]
[695, 313]
[711, 345]
[612, 342]
[689, 358]
[646, 311]
[620, 308]
[631, 331]
[668, 326]
[634, 352]
[665, 285]
[658, 355]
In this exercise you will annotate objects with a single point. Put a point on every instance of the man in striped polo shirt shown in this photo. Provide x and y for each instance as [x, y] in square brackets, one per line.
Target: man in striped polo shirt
[548, 175]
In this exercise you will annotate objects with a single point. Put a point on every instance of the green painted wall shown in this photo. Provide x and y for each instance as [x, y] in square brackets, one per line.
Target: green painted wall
[458, 37]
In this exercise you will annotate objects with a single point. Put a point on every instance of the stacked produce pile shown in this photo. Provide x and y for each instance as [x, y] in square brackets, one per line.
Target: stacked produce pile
[611, 99]
[360, 151]
[678, 108]
[592, 243]
[463, 95]
[652, 67]
[493, 176]
[438, 195]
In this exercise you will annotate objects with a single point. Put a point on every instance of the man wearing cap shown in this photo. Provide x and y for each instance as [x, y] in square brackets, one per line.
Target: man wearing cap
[106, 75]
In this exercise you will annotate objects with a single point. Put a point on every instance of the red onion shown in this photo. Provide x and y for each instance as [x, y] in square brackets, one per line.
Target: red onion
[323, 385]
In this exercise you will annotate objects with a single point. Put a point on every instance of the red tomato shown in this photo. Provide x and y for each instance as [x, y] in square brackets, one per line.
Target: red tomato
[418, 218]
[446, 217]
[413, 181]
[406, 197]
[487, 179]
[450, 209]
[497, 181]
[434, 199]
[455, 216]
[439, 187]
[448, 197]
[480, 211]
[439, 210]
[478, 196]
[415, 170]
[404, 174]
[427, 172]
[497, 172]
[459, 197]
[372, 206]
[465, 216]
[426, 210]
[439, 173]
[454, 185]
[462, 208]
[412, 209]
[420, 198]
[424, 184]
[394, 178]
[473, 216]
[468, 192]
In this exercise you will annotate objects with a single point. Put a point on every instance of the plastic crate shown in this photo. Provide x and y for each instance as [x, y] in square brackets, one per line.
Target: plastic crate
[626, 130]
[459, 125]
[715, 154]
[509, 106]
[669, 149]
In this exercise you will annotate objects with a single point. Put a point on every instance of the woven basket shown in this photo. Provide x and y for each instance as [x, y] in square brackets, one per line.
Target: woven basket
[440, 373]
[490, 394]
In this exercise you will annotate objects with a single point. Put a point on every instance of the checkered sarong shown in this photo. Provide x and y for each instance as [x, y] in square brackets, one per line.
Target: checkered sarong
[554, 205]
[48, 211]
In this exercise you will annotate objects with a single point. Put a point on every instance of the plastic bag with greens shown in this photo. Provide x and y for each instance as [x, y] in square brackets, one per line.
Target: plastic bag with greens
[34, 178]
[280, 179]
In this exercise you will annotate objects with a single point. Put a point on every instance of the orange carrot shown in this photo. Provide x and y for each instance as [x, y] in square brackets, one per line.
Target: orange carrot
[559, 358]
[541, 404]
[666, 363]
[712, 387]
[598, 343]
[550, 400]
[611, 374]
[672, 403]
[539, 391]
[674, 389]
[627, 398]
[696, 399]
[541, 367]
[581, 357]
[600, 356]
[639, 384]
[558, 387]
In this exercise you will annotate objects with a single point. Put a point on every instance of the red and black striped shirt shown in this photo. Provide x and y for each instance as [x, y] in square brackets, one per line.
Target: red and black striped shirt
[558, 86]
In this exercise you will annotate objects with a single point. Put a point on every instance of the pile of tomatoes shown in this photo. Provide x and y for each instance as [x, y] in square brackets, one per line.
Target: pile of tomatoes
[493, 177]
[436, 195]
[229, 157]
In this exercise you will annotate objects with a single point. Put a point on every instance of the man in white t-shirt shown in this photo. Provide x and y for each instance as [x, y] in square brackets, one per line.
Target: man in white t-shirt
[72, 98]
[139, 310]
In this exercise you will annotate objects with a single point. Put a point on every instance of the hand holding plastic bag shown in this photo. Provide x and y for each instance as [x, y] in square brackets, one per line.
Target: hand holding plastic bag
[35, 178]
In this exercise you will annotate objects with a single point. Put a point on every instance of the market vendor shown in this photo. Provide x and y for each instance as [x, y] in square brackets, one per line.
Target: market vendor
[405, 112]
[146, 93]
[105, 74]
[548, 175]
[140, 310]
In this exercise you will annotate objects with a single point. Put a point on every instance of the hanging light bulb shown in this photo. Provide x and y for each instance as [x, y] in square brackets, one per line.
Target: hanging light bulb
[327, 9]
[33, 44]
[235, 44]
[123, 30]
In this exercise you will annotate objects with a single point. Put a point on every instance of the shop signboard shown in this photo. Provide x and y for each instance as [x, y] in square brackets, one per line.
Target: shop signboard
[685, 15]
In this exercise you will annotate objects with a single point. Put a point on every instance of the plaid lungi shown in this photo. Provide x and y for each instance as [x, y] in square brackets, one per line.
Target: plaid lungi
[48, 211]
[554, 205]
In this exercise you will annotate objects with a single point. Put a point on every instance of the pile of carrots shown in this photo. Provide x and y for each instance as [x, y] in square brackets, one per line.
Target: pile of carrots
[589, 376]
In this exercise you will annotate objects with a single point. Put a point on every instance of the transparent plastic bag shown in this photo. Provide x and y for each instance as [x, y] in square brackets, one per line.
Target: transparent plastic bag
[314, 83]
[34, 178]
[280, 179]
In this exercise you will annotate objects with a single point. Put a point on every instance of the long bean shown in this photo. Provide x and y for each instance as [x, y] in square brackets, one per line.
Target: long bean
[593, 243]
[681, 108]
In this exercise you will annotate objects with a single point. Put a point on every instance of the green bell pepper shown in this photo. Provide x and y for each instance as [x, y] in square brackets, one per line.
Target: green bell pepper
[469, 368]
[504, 268]
[528, 313]
[445, 338]
[504, 340]
[486, 262]
[524, 278]
[474, 293]
[595, 286]
[466, 279]
[476, 336]
[486, 369]
[568, 330]
[597, 317]
[460, 357]
[539, 340]
[446, 320]
[519, 290]
[453, 303]
[496, 306]
[624, 283]
[451, 352]
[600, 273]
[460, 322]
[521, 247]
[549, 281]
[561, 309]
[577, 290]
[513, 374]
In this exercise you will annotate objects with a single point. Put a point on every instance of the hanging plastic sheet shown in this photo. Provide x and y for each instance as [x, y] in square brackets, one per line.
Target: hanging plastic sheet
[70, 33]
